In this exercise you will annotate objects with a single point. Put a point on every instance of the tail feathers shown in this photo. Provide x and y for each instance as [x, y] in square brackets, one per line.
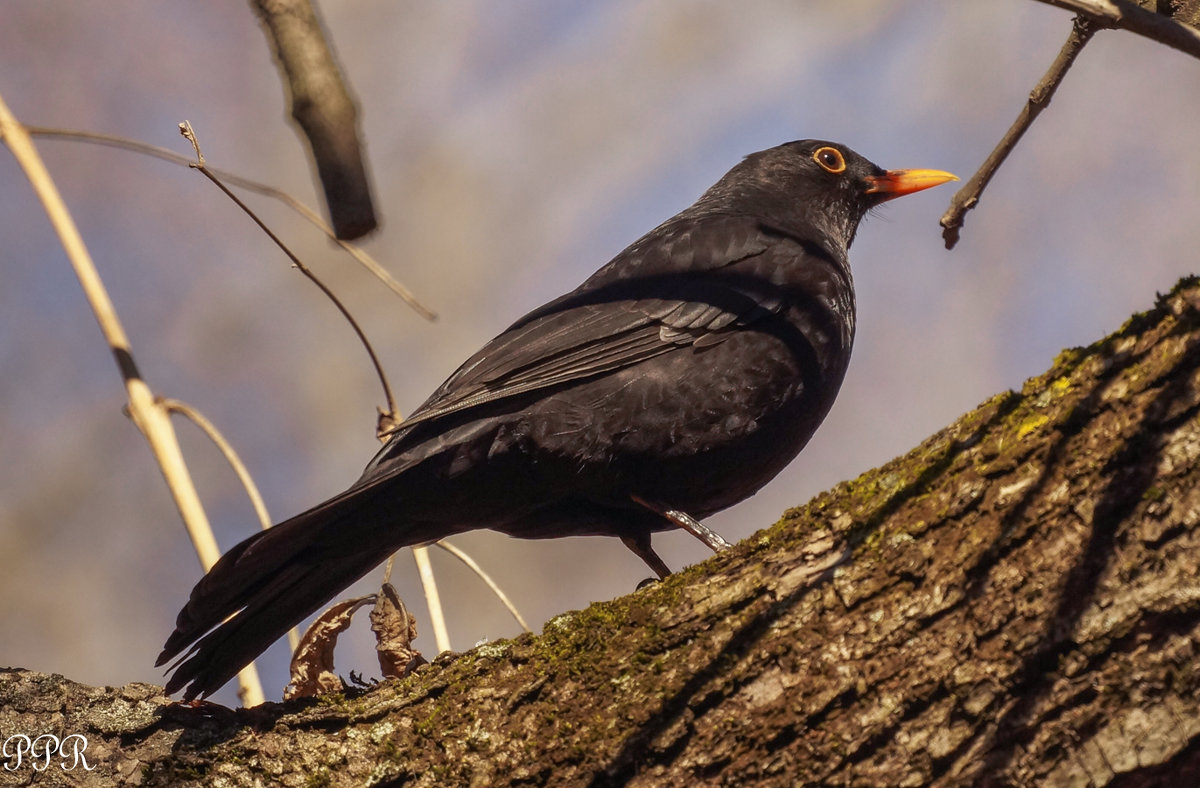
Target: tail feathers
[240, 574]
[274, 578]
[218, 594]
[293, 593]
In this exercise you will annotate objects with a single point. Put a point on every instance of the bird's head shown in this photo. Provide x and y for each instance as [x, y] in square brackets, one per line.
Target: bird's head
[816, 186]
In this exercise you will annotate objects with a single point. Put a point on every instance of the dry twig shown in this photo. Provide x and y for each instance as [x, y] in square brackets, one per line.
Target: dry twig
[124, 143]
[1165, 28]
[387, 419]
[967, 197]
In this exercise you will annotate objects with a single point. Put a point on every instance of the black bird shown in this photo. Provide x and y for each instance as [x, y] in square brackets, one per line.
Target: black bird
[675, 382]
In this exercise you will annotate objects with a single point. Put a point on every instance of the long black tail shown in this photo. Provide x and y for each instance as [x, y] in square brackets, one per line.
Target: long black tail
[270, 583]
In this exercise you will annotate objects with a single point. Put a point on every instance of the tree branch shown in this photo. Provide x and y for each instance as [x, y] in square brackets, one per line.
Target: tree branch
[1014, 602]
[1175, 29]
[324, 110]
[1172, 27]
[967, 197]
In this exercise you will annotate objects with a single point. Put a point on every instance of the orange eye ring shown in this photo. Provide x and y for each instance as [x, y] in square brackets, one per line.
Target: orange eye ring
[830, 159]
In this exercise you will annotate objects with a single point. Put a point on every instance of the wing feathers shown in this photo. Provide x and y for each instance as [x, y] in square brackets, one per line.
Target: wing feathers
[683, 298]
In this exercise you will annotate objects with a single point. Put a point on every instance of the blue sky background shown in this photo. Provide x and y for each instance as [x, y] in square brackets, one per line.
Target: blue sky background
[514, 149]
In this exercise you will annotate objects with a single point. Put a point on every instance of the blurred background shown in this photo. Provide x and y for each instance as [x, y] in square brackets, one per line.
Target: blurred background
[515, 147]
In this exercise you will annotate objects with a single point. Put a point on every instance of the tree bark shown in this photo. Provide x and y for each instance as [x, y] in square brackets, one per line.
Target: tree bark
[1014, 602]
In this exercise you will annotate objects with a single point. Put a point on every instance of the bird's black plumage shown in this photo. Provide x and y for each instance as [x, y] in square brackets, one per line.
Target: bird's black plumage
[683, 375]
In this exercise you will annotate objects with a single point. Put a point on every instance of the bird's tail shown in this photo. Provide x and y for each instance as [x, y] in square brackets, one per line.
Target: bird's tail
[268, 584]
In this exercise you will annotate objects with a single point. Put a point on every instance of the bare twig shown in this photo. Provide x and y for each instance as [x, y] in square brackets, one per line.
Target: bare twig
[388, 418]
[967, 197]
[149, 415]
[425, 569]
[486, 578]
[1130, 16]
[322, 107]
[233, 179]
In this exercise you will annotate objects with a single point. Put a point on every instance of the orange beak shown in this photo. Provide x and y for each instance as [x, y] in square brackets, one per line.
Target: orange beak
[897, 183]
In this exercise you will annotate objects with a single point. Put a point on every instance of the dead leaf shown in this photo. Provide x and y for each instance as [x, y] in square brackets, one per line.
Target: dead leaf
[312, 664]
[395, 630]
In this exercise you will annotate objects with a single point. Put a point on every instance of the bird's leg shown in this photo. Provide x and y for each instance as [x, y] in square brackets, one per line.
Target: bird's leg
[640, 545]
[688, 523]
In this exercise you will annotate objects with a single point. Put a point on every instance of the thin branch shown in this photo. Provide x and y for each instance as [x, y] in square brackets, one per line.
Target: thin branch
[322, 107]
[388, 418]
[149, 415]
[968, 196]
[485, 577]
[425, 569]
[124, 143]
[1132, 17]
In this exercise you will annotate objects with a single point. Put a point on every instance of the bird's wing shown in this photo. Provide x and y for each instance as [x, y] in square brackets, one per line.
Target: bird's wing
[669, 289]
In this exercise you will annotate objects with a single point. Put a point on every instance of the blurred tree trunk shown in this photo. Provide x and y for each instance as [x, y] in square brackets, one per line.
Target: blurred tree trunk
[1016, 601]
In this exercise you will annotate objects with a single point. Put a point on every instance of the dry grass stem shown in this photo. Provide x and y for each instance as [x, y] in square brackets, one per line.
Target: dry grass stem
[239, 468]
[486, 578]
[150, 416]
[228, 452]
[436, 616]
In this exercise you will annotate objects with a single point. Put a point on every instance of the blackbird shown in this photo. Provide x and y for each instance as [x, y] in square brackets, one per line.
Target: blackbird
[676, 381]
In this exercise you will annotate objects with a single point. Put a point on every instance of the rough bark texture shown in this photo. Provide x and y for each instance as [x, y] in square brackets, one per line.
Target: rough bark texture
[1014, 602]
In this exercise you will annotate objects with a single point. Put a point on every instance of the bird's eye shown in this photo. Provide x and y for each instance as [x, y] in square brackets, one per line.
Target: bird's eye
[830, 159]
